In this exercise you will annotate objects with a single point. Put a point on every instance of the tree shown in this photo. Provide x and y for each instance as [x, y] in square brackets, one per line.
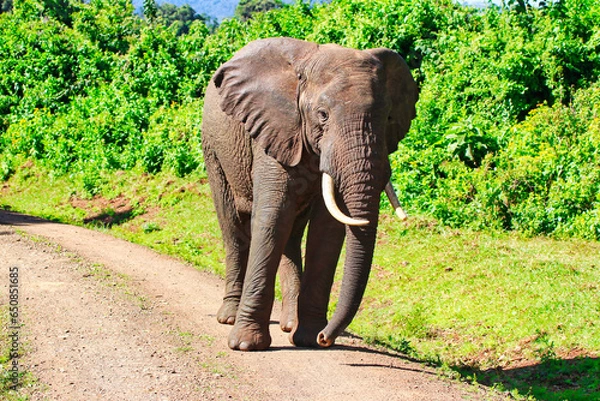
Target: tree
[6, 6]
[150, 10]
[246, 8]
[179, 17]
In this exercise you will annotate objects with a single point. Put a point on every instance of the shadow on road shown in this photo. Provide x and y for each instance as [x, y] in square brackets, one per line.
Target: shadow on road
[106, 218]
[553, 379]
[110, 218]
[16, 219]
[574, 379]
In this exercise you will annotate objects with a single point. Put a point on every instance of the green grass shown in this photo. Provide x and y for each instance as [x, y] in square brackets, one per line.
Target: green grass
[172, 215]
[499, 309]
[519, 314]
[484, 300]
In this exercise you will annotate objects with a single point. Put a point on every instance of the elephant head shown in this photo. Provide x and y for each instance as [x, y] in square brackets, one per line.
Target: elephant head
[348, 107]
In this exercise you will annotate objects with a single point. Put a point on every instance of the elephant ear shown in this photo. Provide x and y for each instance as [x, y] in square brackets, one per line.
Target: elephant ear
[403, 93]
[259, 88]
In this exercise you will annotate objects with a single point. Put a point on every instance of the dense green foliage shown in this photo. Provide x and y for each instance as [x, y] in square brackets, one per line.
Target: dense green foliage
[506, 136]
[178, 18]
[246, 8]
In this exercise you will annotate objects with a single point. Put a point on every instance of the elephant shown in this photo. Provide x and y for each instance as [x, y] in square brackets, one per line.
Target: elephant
[296, 137]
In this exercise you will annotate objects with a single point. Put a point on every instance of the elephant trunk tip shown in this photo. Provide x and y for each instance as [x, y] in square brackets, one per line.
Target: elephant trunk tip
[324, 341]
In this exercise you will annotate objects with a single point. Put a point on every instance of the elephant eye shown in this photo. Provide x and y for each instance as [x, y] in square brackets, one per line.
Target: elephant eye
[322, 115]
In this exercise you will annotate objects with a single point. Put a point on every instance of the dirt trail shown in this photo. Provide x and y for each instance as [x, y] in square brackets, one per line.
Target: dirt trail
[105, 319]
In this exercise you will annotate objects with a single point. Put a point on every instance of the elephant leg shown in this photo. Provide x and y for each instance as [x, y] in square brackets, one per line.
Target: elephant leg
[235, 229]
[273, 215]
[323, 246]
[236, 260]
[290, 272]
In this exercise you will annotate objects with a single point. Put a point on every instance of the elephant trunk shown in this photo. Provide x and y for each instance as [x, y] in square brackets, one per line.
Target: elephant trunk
[361, 199]
[360, 169]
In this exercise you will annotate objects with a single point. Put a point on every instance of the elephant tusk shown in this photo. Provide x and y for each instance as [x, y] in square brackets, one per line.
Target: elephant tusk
[332, 207]
[391, 194]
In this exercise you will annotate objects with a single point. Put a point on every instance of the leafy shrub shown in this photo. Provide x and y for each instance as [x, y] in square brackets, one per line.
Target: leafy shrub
[172, 140]
[7, 168]
[506, 133]
[543, 180]
[556, 151]
[109, 24]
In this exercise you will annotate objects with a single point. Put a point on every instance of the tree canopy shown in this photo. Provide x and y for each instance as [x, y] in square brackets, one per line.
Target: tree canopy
[246, 8]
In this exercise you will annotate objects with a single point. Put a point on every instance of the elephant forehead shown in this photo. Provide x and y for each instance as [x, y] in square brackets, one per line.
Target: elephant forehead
[350, 80]
[336, 61]
[347, 94]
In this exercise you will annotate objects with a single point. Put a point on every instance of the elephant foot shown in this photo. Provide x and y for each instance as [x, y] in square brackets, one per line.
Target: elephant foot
[288, 316]
[249, 337]
[286, 324]
[307, 335]
[227, 311]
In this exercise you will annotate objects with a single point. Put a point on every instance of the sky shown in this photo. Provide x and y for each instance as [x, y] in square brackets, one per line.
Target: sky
[220, 9]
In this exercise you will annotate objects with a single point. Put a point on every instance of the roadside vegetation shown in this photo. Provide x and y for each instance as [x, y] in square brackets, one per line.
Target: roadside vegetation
[495, 277]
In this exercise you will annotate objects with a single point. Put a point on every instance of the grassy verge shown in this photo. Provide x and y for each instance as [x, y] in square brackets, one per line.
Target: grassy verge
[520, 314]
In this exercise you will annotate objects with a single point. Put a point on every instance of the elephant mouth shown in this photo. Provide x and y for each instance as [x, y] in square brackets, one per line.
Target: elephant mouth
[328, 188]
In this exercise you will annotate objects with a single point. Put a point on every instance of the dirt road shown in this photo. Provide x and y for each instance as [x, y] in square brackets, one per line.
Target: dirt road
[108, 320]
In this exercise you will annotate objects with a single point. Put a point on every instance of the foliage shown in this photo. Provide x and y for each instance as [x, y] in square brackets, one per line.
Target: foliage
[88, 98]
[506, 134]
[179, 18]
[150, 10]
[5, 6]
[246, 8]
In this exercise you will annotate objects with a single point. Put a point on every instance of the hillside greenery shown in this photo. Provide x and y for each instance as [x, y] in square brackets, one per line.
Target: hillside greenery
[506, 136]
[246, 8]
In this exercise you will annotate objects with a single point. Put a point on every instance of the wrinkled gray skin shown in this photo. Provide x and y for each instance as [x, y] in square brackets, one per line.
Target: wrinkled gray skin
[277, 116]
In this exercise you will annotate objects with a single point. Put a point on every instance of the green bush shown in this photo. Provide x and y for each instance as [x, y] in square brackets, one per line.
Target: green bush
[506, 133]
[553, 157]
[544, 179]
[172, 140]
